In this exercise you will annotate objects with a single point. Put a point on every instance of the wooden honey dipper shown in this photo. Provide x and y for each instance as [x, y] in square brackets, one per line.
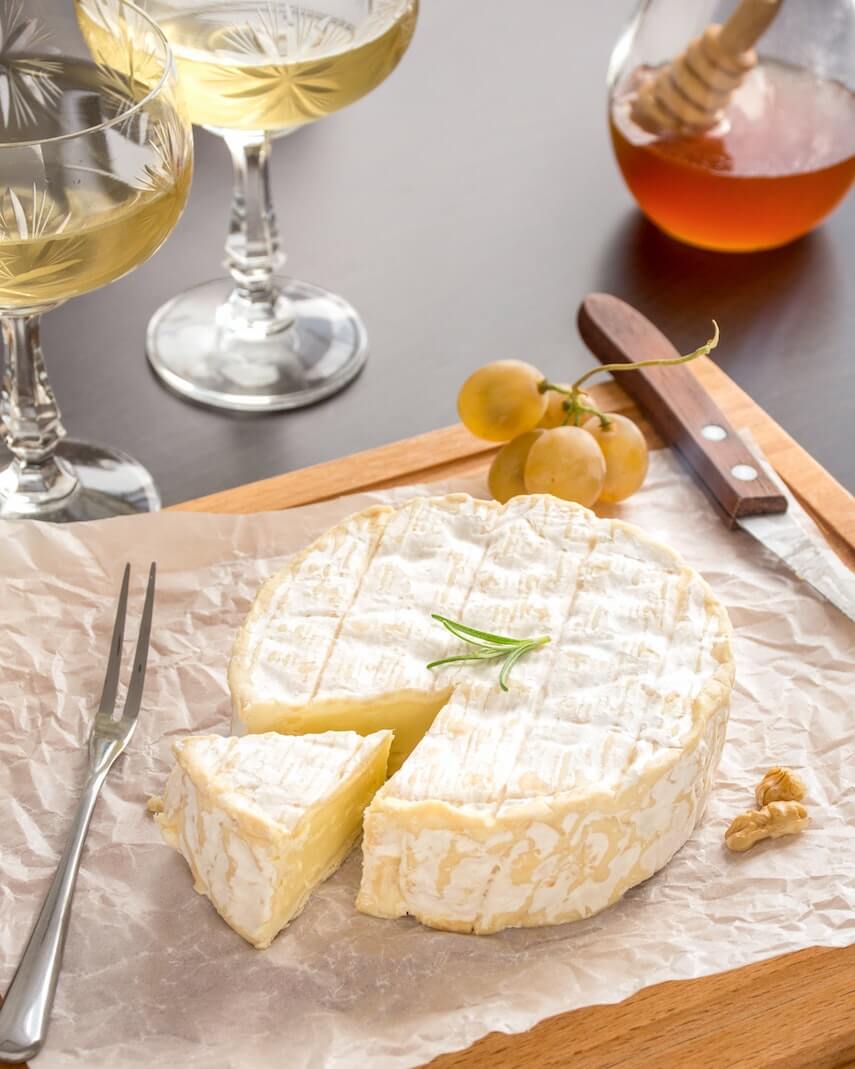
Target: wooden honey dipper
[689, 94]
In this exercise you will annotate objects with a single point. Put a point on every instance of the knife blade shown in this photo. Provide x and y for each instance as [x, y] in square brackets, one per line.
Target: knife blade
[794, 546]
[688, 419]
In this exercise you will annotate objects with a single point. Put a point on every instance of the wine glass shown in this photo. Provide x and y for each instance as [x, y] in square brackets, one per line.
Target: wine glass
[253, 70]
[95, 165]
[781, 155]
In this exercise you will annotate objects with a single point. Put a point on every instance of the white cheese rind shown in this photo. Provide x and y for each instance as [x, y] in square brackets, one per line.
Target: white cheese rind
[534, 861]
[261, 820]
[532, 807]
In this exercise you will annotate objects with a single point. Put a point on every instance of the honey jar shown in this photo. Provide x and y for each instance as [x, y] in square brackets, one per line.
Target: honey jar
[779, 151]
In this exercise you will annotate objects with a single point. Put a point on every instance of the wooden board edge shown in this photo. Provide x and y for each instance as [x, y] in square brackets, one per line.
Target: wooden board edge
[453, 450]
[720, 1019]
[421, 458]
[829, 502]
[406, 459]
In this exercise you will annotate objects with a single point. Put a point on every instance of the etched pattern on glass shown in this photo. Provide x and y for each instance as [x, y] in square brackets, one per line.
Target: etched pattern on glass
[283, 32]
[168, 149]
[27, 79]
[34, 223]
[42, 215]
[125, 49]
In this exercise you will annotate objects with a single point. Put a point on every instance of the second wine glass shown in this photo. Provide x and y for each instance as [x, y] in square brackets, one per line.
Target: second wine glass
[258, 341]
[95, 165]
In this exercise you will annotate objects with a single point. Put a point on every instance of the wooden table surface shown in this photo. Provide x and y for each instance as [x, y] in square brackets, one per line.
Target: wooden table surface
[465, 208]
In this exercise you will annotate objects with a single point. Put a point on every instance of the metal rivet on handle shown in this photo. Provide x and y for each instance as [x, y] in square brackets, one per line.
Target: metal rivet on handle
[714, 432]
[744, 472]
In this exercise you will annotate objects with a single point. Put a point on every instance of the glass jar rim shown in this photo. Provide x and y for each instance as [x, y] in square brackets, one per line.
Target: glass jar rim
[168, 68]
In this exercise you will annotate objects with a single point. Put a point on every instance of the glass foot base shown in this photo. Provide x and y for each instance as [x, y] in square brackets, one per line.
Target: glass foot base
[193, 350]
[108, 483]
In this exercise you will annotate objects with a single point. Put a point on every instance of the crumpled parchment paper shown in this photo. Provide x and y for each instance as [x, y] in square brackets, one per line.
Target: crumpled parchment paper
[152, 976]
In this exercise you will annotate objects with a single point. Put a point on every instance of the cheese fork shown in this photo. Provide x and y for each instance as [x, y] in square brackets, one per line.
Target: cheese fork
[25, 1012]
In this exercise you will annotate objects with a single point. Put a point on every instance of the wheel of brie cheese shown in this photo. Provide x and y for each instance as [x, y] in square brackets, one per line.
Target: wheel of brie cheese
[538, 805]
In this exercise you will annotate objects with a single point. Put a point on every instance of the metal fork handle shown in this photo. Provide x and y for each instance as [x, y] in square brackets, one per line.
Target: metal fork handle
[26, 1009]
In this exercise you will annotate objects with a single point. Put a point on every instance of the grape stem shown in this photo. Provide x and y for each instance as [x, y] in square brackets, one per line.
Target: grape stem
[573, 407]
[576, 409]
[703, 350]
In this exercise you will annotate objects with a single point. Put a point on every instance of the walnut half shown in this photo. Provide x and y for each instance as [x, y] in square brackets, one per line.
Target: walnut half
[779, 785]
[770, 822]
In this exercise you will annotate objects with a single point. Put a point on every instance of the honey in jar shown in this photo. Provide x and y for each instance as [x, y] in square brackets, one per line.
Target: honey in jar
[781, 158]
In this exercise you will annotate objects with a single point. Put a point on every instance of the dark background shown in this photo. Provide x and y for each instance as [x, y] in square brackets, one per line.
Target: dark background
[465, 208]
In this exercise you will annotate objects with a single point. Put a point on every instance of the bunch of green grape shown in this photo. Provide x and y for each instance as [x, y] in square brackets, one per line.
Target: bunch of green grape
[556, 440]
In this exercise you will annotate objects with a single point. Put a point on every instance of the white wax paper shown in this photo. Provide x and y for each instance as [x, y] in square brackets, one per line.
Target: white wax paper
[152, 976]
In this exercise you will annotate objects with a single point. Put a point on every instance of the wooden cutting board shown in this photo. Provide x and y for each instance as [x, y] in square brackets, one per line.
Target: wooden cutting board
[792, 1012]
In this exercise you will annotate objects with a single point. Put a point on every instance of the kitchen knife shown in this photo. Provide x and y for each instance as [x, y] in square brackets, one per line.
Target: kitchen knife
[688, 419]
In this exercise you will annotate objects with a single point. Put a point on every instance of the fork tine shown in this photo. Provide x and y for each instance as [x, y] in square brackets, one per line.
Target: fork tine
[114, 663]
[135, 687]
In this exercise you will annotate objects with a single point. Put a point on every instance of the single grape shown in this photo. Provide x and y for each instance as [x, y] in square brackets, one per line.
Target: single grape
[556, 414]
[501, 400]
[625, 450]
[566, 462]
[506, 472]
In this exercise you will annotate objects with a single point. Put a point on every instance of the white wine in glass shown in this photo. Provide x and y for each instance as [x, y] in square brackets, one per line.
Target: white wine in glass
[95, 162]
[250, 72]
[252, 86]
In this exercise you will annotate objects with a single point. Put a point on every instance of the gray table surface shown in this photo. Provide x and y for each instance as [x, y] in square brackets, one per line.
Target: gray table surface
[465, 208]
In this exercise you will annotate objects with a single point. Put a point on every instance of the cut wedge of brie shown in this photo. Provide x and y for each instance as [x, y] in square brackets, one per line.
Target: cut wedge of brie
[536, 806]
[263, 819]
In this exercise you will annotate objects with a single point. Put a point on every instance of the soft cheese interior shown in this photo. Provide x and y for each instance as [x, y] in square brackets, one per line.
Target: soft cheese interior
[263, 819]
[535, 806]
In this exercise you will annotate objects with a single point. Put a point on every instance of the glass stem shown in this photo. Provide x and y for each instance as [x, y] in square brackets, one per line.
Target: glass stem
[253, 254]
[29, 419]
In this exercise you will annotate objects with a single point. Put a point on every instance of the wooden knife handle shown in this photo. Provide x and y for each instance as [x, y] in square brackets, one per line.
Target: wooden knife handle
[679, 407]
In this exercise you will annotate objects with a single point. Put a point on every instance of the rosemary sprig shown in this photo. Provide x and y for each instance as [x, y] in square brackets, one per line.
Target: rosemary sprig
[487, 646]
